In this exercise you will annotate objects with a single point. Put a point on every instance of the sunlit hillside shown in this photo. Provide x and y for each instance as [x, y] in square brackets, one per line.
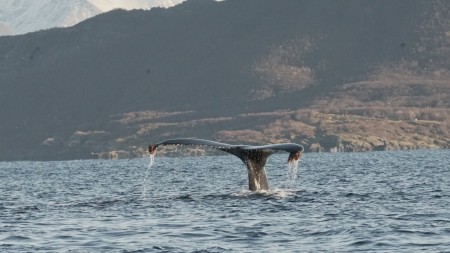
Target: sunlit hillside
[332, 75]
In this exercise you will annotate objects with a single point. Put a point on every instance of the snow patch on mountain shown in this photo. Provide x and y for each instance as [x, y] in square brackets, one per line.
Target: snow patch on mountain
[23, 16]
[107, 5]
[5, 30]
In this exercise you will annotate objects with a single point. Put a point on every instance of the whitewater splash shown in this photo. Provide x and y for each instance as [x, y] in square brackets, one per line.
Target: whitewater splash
[276, 192]
[144, 184]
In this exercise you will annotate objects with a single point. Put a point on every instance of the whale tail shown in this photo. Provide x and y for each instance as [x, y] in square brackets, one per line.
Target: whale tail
[254, 157]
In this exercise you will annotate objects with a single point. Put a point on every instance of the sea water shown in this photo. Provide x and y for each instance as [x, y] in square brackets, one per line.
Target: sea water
[342, 202]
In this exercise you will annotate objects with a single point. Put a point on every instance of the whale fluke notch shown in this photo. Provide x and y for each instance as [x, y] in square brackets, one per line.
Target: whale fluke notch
[254, 157]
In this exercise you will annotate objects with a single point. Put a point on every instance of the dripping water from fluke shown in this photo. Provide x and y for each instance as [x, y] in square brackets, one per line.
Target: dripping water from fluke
[144, 184]
[292, 172]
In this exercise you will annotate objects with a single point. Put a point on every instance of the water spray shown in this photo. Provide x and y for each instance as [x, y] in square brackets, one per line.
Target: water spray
[151, 150]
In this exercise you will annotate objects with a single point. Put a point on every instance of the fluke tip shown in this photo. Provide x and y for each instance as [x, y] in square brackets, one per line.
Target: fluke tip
[152, 149]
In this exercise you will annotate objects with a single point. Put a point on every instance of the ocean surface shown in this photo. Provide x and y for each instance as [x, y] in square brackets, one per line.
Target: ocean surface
[342, 202]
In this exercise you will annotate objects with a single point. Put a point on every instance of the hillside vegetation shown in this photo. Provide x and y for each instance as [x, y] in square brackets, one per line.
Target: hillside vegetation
[331, 75]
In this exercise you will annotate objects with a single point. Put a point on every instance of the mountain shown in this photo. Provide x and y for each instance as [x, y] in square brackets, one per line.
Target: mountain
[344, 75]
[5, 30]
[25, 16]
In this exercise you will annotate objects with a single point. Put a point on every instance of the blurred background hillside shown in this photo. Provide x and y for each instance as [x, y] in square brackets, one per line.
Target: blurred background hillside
[353, 75]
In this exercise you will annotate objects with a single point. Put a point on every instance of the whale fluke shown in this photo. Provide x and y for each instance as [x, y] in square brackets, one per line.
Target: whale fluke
[254, 157]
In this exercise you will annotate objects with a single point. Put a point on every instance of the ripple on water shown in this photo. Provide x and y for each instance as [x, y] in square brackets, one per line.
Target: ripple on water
[17, 238]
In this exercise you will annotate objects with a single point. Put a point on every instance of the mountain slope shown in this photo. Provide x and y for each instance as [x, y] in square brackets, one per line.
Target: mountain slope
[255, 70]
[24, 16]
[5, 30]
[108, 5]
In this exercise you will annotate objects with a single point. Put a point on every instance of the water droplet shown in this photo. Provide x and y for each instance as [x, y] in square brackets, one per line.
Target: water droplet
[144, 184]
[292, 171]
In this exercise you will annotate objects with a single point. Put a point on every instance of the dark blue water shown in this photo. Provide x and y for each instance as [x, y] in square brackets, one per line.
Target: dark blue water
[344, 202]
